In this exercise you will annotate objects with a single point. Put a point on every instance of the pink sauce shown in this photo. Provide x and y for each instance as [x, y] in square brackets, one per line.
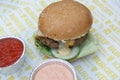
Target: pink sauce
[53, 71]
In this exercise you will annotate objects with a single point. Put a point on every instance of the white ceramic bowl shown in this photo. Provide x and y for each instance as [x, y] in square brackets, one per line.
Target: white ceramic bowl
[50, 61]
[16, 65]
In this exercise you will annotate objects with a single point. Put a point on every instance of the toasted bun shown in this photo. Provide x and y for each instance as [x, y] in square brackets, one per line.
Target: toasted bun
[65, 20]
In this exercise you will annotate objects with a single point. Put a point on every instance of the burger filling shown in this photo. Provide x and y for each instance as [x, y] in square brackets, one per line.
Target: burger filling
[56, 44]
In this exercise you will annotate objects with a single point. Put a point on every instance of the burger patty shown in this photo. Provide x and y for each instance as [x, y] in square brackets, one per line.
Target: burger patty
[80, 40]
[48, 42]
[55, 44]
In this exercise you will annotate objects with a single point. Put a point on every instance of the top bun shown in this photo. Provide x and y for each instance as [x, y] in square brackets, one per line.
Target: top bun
[65, 20]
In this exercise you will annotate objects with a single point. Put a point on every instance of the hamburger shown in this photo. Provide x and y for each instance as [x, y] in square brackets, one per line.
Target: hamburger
[64, 27]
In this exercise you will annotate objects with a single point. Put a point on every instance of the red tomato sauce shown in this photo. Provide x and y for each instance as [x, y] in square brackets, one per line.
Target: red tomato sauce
[11, 50]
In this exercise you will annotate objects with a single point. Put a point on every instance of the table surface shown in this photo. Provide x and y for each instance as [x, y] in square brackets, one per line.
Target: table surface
[20, 18]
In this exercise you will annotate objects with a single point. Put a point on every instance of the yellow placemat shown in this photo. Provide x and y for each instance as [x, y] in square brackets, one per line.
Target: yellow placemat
[20, 17]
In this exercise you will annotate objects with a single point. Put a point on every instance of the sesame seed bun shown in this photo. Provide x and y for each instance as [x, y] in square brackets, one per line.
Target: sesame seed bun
[65, 20]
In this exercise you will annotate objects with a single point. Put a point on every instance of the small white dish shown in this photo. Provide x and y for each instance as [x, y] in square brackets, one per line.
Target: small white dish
[15, 66]
[54, 69]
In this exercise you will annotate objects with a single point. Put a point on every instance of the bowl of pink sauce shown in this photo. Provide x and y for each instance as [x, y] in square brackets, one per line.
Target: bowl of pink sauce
[11, 54]
[54, 69]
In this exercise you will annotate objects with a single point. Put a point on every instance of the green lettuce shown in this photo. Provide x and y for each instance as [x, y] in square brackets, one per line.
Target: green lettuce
[88, 47]
[43, 49]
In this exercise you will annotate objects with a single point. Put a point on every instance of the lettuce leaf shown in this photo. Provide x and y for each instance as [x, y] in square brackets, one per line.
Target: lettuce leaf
[88, 47]
[43, 49]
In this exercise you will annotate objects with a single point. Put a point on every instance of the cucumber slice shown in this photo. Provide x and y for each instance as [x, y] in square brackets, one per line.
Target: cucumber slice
[86, 48]
[65, 55]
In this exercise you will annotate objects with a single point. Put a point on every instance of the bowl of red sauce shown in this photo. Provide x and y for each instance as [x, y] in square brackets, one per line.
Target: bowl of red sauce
[12, 51]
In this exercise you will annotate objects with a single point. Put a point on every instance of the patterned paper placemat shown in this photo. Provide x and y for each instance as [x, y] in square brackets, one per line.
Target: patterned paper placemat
[20, 18]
